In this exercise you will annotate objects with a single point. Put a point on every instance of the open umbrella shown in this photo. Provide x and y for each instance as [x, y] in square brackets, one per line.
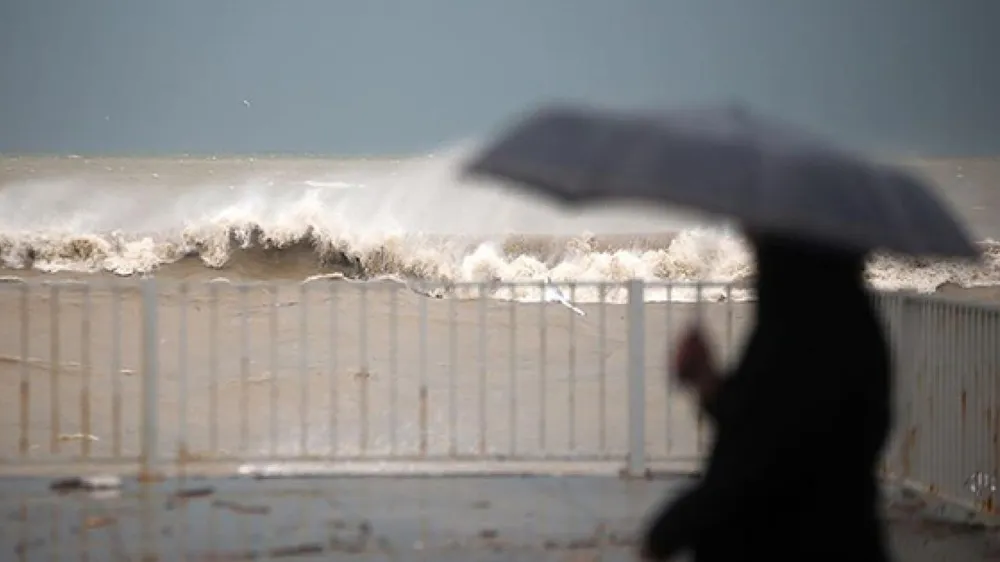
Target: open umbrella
[769, 176]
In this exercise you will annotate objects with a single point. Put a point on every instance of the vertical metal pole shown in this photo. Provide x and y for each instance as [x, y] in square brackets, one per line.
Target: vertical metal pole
[85, 372]
[365, 370]
[54, 370]
[636, 334]
[993, 366]
[183, 392]
[543, 358]
[332, 373]
[424, 431]
[24, 442]
[905, 381]
[602, 342]
[304, 369]
[483, 362]
[899, 334]
[244, 407]
[150, 379]
[571, 367]
[272, 357]
[512, 375]
[393, 368]
[116, 371]
[213, 368]
[668, 393]
[452, 378]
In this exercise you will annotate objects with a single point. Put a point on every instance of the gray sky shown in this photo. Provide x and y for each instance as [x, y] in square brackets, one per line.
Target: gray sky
[380, 76]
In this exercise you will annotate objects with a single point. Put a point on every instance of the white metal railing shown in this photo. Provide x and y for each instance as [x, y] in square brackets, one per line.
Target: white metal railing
[163, 375]
[948, 364]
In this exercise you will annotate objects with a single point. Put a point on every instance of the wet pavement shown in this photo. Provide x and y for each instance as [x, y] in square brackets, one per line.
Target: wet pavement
[363, 518]
[460, 518]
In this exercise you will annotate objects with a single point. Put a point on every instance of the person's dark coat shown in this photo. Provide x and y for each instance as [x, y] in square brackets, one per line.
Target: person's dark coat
[800, 425]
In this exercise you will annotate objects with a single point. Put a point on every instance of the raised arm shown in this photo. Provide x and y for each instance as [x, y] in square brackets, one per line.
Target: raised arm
[755, 448]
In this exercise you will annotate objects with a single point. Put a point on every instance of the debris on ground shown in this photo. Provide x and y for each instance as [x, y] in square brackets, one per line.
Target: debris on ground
[241, 509]
[86, 483]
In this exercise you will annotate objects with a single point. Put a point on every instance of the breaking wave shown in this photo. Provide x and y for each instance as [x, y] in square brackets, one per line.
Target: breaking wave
[299, 228]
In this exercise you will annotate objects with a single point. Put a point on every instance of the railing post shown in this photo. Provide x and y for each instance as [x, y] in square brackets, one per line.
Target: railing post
[636, 336]
[150, 380]
[903, 385]
[992, 334]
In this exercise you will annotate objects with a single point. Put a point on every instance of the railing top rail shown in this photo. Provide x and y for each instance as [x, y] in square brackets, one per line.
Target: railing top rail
[937, 298]
[134, 283]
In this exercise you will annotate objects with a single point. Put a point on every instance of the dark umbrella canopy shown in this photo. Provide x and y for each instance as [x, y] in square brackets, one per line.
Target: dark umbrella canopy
[769, 176]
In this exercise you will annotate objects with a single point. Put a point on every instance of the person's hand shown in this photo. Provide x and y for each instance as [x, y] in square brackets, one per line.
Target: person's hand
[693, 364]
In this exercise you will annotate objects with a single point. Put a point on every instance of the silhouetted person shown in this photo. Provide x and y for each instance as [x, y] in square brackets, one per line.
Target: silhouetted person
[800, 423]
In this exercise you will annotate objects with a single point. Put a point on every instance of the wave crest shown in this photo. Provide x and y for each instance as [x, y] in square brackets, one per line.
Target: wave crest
[691, 255]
